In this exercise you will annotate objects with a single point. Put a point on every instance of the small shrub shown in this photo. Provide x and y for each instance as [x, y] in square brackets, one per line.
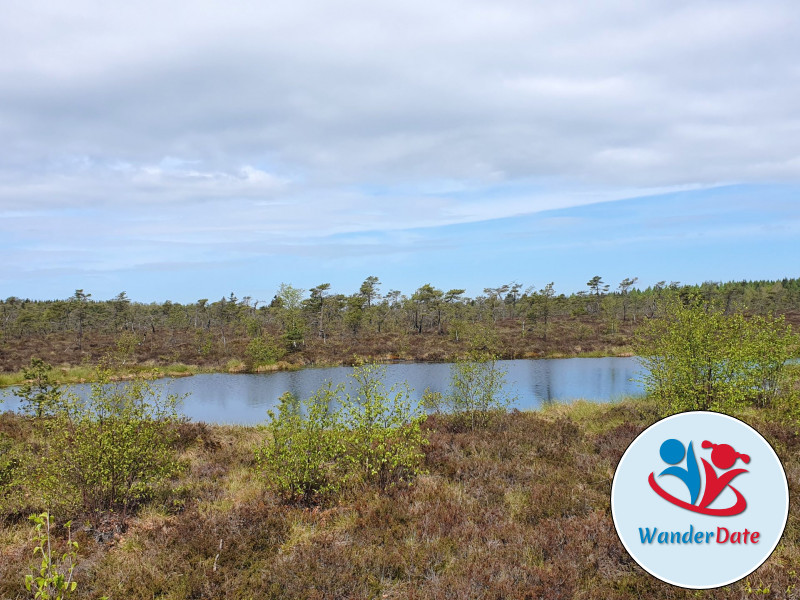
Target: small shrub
[7, 463]
[40, 395]
[301, 459]
[11, 475]
[125, 347]
[432, 401]
[382, 428]
[263, 350]
[333, 438]
[698, 358]
[476, 391]
[113, 449]
[53, 580]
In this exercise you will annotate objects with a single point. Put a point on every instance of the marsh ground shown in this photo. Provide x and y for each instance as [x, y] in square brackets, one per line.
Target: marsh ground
[518, 510]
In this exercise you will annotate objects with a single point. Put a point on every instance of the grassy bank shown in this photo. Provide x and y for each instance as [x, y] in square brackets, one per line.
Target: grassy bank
[84, 374]
[519, 510]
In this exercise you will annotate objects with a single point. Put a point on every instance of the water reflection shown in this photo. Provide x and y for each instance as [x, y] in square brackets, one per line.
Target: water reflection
[244, 399]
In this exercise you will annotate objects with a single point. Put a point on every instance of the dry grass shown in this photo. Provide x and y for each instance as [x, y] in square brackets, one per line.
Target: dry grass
[517, 511]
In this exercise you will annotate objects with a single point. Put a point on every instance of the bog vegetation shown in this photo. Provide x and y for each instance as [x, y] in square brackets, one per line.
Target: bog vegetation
[477, 392]
[355, 492]
[374, 323]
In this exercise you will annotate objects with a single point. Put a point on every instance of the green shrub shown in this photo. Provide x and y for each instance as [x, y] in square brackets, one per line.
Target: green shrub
[698, 358]
[263, 350]
[112, 450]
[382, 426]
[53, 578]
[302, 457]
[20, 461]
[10, 475]
[125, 347]
[40, 395]
[332, 439]
[476, 391]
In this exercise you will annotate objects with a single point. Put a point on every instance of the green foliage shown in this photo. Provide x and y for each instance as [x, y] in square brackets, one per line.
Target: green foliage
[205, 343]
[431, 400]
[301, 458]
[382, 428]
[429, 324]
[11, 464]
[787, 404]
[112, 450]
[40, 395]
[262, 350]
[372, 435]
[54, 578]
[288, 301]
[481, 337]
[699, 358]
[125, 346]
[476, 390]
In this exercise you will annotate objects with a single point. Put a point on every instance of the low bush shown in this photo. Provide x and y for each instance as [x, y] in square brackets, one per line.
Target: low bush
[302, 458]
[699, 358]
[477, 392]
[53, 579]
[15, 461]
[368, 435]
[40, 395]
[382, 428]
[263, 350]
[112, 450]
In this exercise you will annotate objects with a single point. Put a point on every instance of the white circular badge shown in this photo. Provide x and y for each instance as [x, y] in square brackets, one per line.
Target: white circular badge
[700, 500]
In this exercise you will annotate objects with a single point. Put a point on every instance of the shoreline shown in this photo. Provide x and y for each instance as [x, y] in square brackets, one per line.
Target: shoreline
[88, 373]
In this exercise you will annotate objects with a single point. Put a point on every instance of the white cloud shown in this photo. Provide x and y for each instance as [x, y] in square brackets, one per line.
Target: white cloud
[399, 91]
[210, 122]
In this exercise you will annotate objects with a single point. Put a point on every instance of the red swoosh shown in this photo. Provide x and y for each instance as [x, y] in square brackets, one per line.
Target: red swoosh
[737, 508]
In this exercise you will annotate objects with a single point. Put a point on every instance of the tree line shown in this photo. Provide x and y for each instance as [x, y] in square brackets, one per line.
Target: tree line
[295, 320]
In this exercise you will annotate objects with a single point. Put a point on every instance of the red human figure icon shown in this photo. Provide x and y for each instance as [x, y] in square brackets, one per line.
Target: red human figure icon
[724, 457]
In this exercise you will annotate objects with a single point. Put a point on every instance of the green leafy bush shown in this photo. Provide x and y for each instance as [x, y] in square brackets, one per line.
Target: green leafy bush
[10, 475]
[477, 391]
[383, 428]
[263, 350]
[40, 395]
[113, 449]
[332, 439]
[53, 578]
[699, 358]
[302, 457]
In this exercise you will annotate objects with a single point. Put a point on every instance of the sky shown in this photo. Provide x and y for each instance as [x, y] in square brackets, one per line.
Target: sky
[188, 150]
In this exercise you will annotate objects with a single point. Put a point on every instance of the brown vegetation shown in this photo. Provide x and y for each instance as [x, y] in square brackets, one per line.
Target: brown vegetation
[298, 328]
[520, 510]
[162, 348]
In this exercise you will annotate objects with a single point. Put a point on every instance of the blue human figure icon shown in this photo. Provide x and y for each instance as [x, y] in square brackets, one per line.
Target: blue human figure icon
[672, 452]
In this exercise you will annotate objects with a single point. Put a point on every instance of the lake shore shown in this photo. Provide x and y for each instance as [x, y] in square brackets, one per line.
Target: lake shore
[65, 374]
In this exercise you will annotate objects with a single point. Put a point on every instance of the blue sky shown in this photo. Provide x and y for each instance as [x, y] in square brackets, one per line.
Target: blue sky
[719, 234]
[188, 150]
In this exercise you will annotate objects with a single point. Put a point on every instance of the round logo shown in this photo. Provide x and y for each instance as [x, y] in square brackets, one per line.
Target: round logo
[700, 500]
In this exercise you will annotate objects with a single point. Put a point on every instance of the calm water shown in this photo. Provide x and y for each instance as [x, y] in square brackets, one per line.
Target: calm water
[244, 399]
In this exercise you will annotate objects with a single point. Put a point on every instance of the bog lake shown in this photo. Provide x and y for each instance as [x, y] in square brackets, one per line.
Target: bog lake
[245, 398]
